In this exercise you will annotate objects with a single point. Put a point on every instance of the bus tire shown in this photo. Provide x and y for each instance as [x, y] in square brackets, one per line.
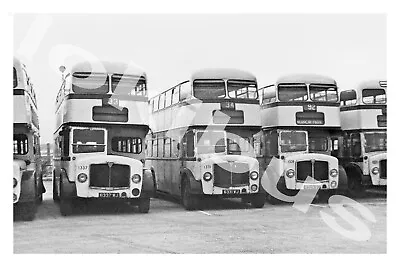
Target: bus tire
[144, 205]
[272, 200]
[189, 201]
[66, 207]
[56, 190]
[355, 187]
[257, 201]
[27, 210]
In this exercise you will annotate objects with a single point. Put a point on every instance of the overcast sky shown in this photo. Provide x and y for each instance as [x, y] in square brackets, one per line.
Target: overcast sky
[347, 47]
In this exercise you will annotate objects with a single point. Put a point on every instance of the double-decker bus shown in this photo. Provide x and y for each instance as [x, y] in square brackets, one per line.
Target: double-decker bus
[27, 180]
[101, 123]
[201, 140]
[363, 145]
[299, 118]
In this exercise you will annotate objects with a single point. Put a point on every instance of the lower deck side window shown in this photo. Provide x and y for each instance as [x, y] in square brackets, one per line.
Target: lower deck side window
[127, 144]
[20, 144]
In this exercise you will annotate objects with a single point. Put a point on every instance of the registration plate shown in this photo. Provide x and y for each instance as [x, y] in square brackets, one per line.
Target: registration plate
[108, 195]
[230, 191]
[312, 186]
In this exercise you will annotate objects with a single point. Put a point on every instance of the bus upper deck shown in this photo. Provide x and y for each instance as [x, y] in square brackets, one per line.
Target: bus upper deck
[300, 101]
[364, 107]
[103, 92]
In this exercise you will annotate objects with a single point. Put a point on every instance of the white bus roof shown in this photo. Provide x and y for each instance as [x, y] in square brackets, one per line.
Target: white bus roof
[372, 84]
[108, 67]
[306, 78]
[223, 73]
[17, 63]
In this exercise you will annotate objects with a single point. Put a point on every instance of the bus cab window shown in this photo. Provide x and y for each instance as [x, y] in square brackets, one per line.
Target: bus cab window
[271, 144]
[188, 145]
[355, 145]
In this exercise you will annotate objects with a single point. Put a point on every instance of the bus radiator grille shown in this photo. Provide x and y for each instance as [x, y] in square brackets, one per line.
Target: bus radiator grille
[101, 175]
[319, 170]
[229, 174]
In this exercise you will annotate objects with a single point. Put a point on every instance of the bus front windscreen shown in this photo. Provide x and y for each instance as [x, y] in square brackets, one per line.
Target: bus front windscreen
[318, 143]
[210, 142]
[88, 140]
[293, 141]
[128, 85]
[375, 142]
[90, 83]
[209, 89]
[242, 89]
[292, 92]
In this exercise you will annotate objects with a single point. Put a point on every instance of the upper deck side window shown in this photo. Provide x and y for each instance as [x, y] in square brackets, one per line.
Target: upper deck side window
[242, 89]
[348, 98]
[374, 96]
[90, 83]
[292, 92]
[15, 76]
[323, 93]
[128, 85]
[209, 89]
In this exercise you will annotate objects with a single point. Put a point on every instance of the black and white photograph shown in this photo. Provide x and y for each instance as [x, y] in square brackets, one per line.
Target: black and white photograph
[199, 133]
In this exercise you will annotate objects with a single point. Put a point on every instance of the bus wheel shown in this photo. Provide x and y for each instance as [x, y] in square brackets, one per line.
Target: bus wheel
[144, 205]
[56, 198]
[27, 210]
[189, 201]
[258, 201]
[272, 200]
[354, 185]
[66, 207]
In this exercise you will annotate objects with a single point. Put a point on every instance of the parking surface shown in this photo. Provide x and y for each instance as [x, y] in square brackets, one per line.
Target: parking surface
[223, 226]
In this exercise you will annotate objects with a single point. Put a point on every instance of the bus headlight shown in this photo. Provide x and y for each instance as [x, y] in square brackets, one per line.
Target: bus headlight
[254, 187]
[15, 182]
[254, 175]
[207, 176]
[290, 173]
[82, 177]
[375, 170]
[136, 178]
[333, 173]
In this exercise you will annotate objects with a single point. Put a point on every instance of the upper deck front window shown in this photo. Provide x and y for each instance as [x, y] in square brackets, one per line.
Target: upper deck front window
[375, 142]
[374, 96]
[242, 89]
[90, 83]
[292, 92]
[209, 89]
[293, 141]
[88, 140]
[323, 93]
[128, 85]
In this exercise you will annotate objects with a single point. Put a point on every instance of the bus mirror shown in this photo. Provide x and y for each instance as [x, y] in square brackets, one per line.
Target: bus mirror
[178, 146]
[62, 69]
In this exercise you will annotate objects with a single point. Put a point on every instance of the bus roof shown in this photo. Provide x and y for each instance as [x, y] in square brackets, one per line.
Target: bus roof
[17, 63]
[108, 67]
[372, 84]
[223, 73]
[306, 78]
